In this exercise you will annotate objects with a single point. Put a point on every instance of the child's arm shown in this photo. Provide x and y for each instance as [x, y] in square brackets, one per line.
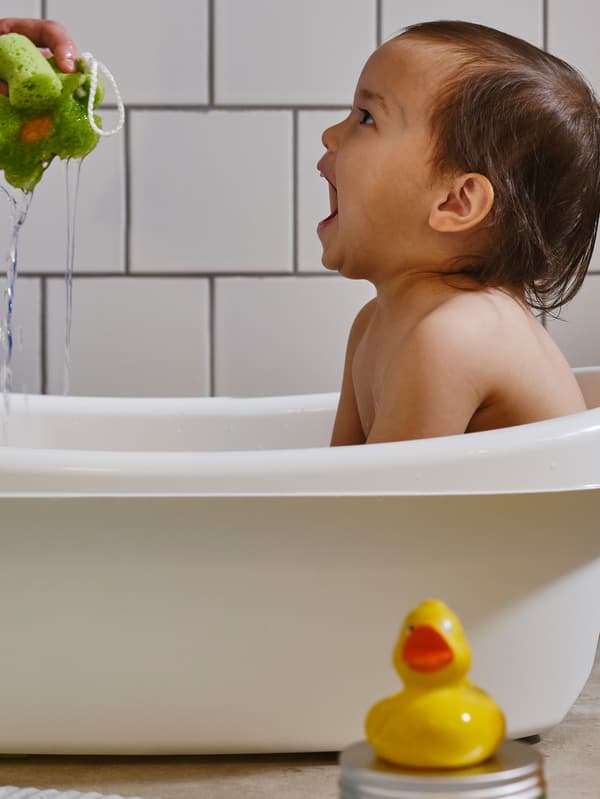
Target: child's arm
[435, 384]
[347, 428]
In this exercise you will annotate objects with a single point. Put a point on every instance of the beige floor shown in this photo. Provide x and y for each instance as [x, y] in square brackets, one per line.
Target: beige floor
[572, 752]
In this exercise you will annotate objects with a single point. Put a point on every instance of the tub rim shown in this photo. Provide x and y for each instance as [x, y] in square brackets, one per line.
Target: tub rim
[269, 472]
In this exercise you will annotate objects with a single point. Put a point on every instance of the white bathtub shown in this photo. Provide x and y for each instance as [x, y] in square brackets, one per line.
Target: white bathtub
[207, 576]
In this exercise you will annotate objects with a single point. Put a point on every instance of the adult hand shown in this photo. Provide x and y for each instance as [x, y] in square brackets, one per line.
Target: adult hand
[48, 35]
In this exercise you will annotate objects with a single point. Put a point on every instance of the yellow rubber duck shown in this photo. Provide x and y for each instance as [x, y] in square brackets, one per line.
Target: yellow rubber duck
[440, 719]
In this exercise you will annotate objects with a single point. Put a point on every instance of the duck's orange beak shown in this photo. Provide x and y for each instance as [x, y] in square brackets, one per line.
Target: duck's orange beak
[426, 651]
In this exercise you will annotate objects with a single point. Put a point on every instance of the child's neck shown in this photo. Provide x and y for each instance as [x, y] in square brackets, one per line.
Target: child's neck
[421, 289]
[412, 285]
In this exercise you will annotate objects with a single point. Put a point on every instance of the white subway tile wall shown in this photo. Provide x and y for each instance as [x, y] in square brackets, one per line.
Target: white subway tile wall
[20, 8]
[524, 19]
[198, 270]
[571, 34]
[211, 191]
[571, 29]
[291, 52]
[129, 337]
[278, 335]
[576, 330]
[158, 49]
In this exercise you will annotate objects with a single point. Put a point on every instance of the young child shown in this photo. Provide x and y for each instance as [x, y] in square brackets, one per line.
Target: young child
[465, 185]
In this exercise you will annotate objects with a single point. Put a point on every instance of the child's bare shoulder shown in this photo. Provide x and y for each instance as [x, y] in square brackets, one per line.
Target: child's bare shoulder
[363, 317]
[467, 321]
[359, 326]
[482, 336]
[490, 307]
[503, 350]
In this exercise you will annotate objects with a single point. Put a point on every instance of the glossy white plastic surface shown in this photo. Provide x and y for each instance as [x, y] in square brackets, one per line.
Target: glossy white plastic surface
[208, 576]
[277, 445]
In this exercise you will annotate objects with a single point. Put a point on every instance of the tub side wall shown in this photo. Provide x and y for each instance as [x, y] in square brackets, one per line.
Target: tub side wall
[281, 610]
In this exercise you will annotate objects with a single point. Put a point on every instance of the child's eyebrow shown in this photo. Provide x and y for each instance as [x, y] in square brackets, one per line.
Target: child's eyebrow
[367, 94]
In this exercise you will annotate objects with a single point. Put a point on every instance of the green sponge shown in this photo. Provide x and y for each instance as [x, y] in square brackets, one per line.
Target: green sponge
[45, 114]
[32, 82]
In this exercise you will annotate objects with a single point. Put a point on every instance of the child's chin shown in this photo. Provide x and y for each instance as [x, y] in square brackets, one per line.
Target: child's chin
[330, 263]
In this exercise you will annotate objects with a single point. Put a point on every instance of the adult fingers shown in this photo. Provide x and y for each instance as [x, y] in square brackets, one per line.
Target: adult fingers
[45, 33]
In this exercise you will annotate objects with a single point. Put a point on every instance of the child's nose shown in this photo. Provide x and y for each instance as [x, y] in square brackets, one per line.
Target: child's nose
[331, 136]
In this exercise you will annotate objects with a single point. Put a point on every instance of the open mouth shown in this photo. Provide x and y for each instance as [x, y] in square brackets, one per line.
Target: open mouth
[333, 204]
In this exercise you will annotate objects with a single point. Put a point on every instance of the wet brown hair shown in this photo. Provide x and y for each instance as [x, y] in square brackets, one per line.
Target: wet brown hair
[530, 123]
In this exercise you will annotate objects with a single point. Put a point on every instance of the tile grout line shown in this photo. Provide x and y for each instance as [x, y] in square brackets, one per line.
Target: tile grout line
[211, 52]
[127, 187]
[295, 191]
[186, 275]
[190, 107]
[378, 22]
[211, 335]
[43, 373]
[141, 275]
[43, 338]
[43, 288]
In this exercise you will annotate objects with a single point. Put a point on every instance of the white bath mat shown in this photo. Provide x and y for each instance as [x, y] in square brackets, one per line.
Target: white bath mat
[10, 792]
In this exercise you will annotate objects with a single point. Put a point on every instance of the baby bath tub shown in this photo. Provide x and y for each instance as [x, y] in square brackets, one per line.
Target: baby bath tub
[207, 576]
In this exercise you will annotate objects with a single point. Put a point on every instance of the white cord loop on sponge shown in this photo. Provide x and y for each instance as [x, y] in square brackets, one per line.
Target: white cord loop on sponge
[91, 66]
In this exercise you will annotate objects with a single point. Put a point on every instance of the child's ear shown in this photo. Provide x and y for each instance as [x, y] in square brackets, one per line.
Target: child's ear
[464, 205]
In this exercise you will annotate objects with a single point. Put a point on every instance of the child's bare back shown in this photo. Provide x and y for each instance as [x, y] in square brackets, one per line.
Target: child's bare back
[449, 362]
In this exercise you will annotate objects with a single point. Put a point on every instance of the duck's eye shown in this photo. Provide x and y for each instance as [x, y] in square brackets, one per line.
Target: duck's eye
[410, 628]
[366, 118]
[447, 625]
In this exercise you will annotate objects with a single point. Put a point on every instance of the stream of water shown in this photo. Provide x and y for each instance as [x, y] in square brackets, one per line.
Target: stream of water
[72, 175]
[19, 203]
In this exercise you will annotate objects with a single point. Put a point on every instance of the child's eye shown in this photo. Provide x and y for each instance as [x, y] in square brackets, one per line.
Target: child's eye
[367, 119]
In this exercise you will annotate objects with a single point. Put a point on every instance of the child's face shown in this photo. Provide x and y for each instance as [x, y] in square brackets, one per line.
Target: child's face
[377, 163]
